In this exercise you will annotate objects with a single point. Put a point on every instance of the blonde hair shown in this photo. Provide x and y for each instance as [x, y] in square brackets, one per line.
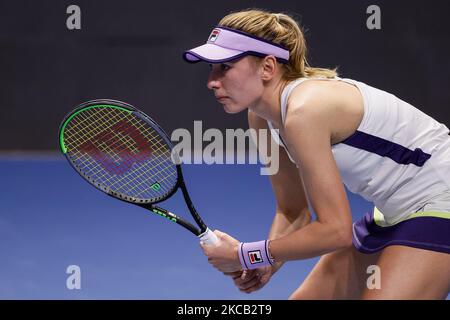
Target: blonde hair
[281, 29]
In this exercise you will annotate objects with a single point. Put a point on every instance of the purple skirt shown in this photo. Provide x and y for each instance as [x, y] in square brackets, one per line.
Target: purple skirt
[429, 233]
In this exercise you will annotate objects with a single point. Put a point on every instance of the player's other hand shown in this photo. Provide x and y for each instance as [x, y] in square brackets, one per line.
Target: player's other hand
[252, 280]
[223, 256]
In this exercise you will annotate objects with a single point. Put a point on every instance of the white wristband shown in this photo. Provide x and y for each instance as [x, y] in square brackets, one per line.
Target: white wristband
[254, 255]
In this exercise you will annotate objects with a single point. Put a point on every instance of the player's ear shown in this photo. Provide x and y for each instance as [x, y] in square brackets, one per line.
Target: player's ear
[269, 67]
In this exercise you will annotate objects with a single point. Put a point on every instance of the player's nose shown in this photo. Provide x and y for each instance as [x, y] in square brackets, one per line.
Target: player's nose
[213, 81]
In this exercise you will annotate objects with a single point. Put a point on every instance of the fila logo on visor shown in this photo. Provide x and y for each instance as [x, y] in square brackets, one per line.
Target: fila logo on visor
[255, 256]
[214, 35]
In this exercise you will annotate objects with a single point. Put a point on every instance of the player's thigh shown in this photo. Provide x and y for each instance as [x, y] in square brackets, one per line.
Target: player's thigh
[338, 275]
[411, 273]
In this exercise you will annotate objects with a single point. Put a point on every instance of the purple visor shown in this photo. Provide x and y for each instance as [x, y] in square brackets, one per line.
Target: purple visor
[225, 44]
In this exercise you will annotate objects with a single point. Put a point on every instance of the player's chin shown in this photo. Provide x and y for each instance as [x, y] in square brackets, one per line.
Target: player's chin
[232, 108]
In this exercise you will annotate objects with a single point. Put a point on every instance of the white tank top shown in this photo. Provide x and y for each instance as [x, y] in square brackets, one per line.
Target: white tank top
[398, 158]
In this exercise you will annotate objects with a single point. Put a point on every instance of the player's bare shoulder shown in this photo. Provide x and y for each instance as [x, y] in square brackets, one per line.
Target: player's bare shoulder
[339, 105]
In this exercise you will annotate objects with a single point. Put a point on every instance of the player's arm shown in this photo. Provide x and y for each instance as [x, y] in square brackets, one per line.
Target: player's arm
[307, 133]
[292, 210]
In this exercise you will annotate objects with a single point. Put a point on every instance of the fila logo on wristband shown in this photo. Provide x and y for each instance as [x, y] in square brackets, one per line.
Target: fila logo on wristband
[255, 256]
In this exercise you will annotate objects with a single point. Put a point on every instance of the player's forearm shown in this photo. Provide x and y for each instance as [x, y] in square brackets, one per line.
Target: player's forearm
[312, 240]
[284, 223]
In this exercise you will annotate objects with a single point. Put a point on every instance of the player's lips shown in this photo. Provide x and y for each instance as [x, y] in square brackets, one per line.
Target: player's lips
[221, 97]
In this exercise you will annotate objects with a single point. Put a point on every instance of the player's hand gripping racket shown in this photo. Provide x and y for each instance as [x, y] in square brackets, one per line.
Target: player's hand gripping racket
[124, 153]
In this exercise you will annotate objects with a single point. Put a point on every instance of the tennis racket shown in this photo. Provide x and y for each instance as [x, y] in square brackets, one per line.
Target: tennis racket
[124, 153]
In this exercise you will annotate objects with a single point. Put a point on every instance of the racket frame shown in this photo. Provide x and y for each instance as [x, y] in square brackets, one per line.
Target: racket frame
[150, 205]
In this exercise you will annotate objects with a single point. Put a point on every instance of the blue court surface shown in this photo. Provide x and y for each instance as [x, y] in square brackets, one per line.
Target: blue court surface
[50, 218]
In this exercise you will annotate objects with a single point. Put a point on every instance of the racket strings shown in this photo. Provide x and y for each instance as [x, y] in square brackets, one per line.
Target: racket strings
[121, 151]
[137, 185]
[130, 184]
[126, 146]
[80, 133]
[106, 150]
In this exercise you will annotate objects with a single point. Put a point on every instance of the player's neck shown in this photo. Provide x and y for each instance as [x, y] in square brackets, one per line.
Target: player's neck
[268, 106]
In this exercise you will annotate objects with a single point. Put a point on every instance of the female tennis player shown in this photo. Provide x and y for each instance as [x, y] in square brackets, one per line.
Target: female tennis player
[334, 132]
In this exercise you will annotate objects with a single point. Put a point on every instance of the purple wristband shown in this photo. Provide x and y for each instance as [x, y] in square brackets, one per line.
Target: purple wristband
[254, 255]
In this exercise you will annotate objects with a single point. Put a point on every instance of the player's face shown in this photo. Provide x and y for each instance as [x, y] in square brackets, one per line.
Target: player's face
[237, 85]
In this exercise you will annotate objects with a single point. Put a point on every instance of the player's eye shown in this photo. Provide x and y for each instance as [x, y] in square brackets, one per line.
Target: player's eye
[224, 67]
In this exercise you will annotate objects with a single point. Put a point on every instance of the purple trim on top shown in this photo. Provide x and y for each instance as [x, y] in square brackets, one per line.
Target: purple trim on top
[252, 36]
[238, 56]
[262, 55]
[385, 148]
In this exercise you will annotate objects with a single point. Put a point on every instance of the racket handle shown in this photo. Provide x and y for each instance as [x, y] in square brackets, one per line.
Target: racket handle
[209, 238]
